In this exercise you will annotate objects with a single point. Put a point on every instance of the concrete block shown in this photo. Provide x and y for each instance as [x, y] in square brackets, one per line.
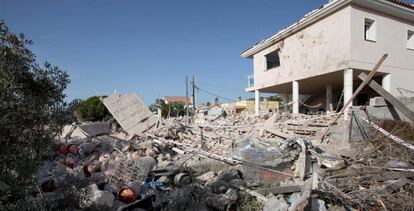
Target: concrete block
[377, 101]
[206, 177]
[105, 198]
[130, 112]
[78, 133]
[95, 128]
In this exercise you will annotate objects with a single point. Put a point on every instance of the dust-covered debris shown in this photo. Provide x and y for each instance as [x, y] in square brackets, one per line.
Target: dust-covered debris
[238, 161]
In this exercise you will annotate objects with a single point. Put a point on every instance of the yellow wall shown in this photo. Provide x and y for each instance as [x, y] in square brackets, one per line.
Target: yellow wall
[249, 105]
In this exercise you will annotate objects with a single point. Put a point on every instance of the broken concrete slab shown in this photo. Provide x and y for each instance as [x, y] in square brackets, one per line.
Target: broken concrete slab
[95, 128]
[276, 203]
[331, 161]
[389, 97]
[214, 113]
[72, 131]
[67, 131]
[130, 112]
[206, 177]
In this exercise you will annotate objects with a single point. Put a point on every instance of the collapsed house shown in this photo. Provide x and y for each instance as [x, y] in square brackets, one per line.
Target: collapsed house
[276, 161]
[315, 63]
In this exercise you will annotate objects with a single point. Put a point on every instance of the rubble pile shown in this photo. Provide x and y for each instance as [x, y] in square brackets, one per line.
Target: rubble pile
[142, 172]
[246, 162]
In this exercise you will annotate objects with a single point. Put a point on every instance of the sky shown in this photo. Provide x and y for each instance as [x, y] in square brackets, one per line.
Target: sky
[150, 46]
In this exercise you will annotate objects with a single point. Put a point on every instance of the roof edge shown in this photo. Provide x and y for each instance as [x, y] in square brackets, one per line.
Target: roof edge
[312, 17]
[302, 23]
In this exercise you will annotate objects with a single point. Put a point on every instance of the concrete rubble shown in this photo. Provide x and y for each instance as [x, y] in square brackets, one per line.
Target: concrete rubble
[130, 112]
[276, 161]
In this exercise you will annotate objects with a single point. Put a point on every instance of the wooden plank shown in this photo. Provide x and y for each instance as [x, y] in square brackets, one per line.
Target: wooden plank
[393, 112]
[278, 133]
[315, 176]
[280, 189]
[389, 97]
[303, 197]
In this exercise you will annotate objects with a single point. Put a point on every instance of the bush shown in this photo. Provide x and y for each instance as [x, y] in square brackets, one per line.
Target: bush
[71, 196]
[92, 109]
[32, 113]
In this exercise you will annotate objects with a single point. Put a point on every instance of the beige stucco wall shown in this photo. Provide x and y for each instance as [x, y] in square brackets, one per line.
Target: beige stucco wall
[300, 54]
[391, 36]
[249, 105]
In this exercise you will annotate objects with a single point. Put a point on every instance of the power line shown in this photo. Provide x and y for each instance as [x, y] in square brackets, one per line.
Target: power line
[216, 95]
[223, 90]
[218, 86]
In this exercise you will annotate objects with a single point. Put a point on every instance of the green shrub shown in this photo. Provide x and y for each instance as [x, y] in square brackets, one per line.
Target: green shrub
[92, 109]
[32, 113]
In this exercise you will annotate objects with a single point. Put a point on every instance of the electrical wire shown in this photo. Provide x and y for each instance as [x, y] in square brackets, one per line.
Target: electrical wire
[231, 91]
[217, 86]
[213, 94]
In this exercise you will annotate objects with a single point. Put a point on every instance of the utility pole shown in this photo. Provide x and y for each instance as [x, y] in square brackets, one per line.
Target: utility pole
[186, 94]
[194, 97]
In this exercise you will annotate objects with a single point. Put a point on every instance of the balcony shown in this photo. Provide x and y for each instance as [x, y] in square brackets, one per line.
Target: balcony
[250, 81]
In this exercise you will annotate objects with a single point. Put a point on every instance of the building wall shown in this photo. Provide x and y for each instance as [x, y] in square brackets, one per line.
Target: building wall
[300, 54]
[249, 105]
[391, 36]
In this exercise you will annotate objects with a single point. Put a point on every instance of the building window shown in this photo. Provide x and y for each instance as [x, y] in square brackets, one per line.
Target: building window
[272, 60]
[370, 32]
[410, 39]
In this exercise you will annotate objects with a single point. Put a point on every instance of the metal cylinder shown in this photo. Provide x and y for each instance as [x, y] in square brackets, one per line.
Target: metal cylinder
[86, 148]
[92, 168]
[73, 149]
[129, 193]
[182, 179]
[63, 149]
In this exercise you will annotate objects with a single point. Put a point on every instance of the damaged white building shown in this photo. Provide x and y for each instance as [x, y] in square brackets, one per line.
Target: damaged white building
[317, 60]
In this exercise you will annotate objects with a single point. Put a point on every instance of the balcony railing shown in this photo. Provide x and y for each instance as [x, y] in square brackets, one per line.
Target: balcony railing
[250, 81]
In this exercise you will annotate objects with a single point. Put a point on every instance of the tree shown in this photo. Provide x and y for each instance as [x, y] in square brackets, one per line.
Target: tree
[72, 106]
[164, 107]
[169, 110]
[153, 108]
[275, 98]
[92, 109]
[32, 113]
[177, 109]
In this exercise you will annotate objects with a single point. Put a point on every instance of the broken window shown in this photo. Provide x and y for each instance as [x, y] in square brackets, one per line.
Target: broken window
[272, 60]
[410, 39]
[370, 30]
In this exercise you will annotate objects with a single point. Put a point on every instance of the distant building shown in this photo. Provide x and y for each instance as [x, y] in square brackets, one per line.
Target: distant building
[248, 105]
[177, 99]
[317, 60]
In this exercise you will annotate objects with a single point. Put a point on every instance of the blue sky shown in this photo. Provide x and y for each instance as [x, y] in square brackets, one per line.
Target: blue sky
[149, 46]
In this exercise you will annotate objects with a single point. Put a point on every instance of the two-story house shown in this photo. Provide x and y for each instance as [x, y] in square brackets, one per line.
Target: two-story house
[321, 55]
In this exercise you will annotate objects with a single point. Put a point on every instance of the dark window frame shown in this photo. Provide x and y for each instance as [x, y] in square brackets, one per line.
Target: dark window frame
[272, 59]
[370, 24]
[410, 39]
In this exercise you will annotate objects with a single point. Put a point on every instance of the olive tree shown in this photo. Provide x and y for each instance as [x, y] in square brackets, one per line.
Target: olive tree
[32, 113]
